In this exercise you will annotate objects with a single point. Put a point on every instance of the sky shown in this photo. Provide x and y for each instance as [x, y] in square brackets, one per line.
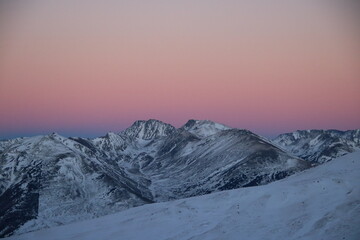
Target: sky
[84, 68]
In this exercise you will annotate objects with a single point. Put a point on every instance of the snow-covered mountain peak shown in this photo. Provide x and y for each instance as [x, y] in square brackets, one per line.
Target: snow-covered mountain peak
[319, 145]
[111, 143]
[149, 129]
[56, 136]
[51, 180]
[320, 203]
[204, 128]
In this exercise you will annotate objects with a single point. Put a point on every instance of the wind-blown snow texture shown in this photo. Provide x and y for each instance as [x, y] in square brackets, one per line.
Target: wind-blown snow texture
[319, 145]
[319, 203]
[50, 180]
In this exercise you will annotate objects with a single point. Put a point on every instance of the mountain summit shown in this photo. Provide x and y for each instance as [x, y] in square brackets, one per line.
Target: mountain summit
[204, 128]
[148, 130]
[52, 180]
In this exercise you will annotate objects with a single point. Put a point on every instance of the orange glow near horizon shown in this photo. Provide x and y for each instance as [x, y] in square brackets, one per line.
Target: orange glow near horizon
[91, 67]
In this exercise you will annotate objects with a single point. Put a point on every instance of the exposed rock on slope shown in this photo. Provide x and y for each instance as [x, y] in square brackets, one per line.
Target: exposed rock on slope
[54, 180]
[320, 145]
[320, 203]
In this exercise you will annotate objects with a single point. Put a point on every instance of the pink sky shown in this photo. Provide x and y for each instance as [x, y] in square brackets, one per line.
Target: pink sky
[89, 67]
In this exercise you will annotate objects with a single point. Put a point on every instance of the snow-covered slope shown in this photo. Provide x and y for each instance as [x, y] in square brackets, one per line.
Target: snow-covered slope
[320, 203]
[203, 128]
[149, 129]
[52, 180]
[111, 144]
[227, 159]
[320, 145]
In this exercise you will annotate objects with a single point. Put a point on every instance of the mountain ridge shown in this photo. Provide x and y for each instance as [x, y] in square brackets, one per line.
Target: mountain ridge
[151, 161]
[319, 203]
[319, 146]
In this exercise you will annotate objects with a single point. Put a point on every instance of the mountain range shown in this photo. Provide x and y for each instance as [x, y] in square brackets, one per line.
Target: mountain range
[319, 145]
[319, 203]
[52, 180]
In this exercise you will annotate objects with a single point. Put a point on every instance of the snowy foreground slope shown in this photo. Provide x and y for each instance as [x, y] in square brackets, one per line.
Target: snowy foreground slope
[51, 180]
[319, 203]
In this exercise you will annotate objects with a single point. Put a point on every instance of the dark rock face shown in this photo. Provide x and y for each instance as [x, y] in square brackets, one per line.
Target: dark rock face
[18, 205]
[53, 180]
[319, 145]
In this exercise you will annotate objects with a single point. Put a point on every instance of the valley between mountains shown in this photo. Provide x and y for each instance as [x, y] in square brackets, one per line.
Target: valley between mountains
[51, 180]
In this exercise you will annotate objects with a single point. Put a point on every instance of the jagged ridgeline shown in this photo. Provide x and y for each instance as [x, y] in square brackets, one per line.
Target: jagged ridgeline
[320, 145]
[51, 180]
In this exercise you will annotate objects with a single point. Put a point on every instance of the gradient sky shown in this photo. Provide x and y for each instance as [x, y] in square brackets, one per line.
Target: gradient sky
[89, 67]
